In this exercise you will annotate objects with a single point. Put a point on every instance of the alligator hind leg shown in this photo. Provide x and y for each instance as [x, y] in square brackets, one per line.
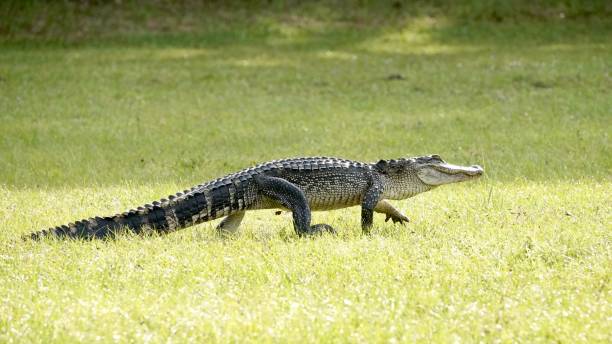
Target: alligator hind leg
[293, 198]
[231, 223]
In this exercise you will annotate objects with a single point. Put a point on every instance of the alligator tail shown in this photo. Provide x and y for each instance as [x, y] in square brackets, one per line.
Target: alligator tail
[176, 212]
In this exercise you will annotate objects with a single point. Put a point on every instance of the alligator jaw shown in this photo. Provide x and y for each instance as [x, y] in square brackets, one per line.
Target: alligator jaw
[472, 171]
[443, 173]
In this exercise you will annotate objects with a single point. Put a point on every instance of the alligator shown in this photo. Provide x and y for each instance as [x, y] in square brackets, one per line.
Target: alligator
[298, 185]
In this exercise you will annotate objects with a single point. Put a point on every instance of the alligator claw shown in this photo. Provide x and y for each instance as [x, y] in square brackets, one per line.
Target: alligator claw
[401, 219]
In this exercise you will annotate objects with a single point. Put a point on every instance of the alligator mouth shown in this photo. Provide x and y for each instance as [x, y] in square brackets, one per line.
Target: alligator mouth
[469, 171]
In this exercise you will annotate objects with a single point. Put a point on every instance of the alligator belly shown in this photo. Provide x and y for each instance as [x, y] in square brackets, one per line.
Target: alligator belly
[331, 201]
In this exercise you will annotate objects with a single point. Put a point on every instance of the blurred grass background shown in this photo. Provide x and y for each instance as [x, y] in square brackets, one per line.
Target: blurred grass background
[175, 88]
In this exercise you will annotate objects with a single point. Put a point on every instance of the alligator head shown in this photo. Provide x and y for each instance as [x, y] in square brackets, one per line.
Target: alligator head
[410, 176]
[432, 170]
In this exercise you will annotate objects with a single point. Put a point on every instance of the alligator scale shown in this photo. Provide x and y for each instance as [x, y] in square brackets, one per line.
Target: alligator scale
[298, 185]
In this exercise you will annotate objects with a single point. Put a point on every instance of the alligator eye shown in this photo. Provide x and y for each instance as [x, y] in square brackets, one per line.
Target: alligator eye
[436, 156]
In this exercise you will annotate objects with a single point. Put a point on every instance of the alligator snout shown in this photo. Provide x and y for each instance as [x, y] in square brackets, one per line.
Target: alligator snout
[476, 170]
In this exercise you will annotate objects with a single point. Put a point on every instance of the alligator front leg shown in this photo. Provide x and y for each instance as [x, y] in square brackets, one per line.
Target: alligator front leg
[371, 199]
[293, 198]
[392, 213]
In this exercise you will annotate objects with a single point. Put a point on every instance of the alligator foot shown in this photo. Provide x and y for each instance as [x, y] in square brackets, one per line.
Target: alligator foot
[401, 218]
[321, 228]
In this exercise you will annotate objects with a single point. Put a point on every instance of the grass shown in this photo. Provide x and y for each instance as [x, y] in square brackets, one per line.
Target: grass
[99, 120]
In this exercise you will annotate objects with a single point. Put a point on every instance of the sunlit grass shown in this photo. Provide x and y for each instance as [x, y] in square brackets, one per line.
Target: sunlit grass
[488, 261]
[99, 125]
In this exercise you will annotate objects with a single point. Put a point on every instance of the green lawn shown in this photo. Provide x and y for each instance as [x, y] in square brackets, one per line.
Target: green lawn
[95, 119]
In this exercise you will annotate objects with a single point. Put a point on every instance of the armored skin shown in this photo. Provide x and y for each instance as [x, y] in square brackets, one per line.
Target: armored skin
[299, 185]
